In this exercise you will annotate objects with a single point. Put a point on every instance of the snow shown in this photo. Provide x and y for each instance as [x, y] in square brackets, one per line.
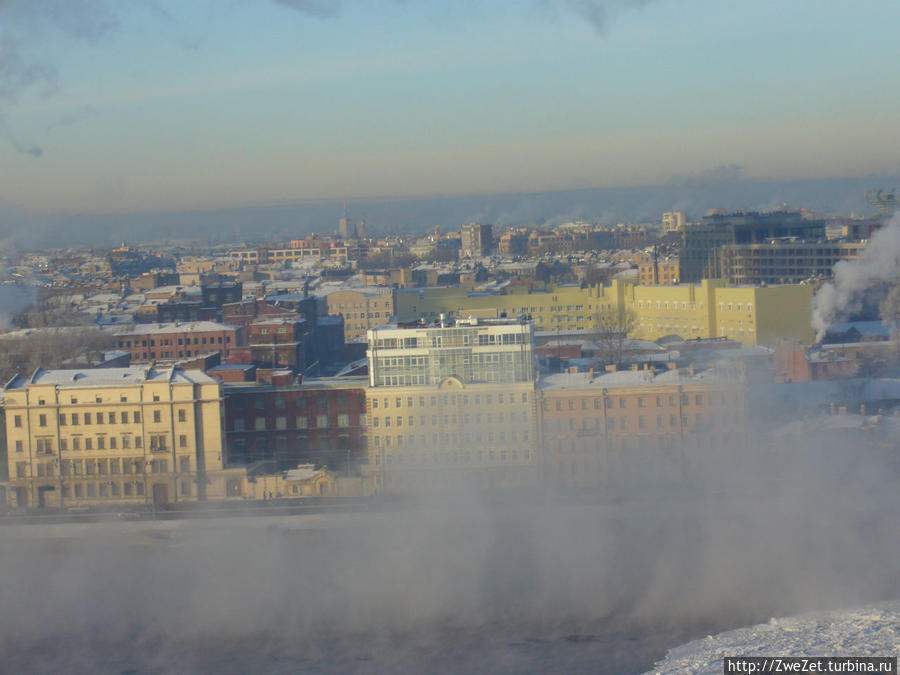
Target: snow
[866, 631]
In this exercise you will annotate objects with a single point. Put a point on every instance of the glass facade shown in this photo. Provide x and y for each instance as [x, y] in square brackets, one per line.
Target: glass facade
[494, 353]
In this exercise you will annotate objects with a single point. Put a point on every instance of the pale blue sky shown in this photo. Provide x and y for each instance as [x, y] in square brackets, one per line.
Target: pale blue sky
[156, 104]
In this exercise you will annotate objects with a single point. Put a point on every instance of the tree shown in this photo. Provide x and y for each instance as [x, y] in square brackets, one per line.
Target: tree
[614, 324]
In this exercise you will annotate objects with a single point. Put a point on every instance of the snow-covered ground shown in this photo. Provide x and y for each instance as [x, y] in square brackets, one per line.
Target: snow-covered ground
[866, 631]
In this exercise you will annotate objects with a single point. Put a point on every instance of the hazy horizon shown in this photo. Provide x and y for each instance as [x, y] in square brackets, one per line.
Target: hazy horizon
[136, 107]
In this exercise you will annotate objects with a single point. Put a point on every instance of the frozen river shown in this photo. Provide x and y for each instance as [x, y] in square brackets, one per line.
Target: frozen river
[452, 587]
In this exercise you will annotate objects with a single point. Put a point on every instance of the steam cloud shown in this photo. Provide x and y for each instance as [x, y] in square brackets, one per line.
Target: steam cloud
[878, 262]
[460, 583]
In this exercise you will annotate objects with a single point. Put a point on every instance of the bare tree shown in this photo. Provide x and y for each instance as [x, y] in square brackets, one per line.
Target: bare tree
[49, 348]
[614, 324]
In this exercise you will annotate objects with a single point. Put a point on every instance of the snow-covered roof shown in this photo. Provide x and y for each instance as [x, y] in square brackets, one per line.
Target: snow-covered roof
[117, 377]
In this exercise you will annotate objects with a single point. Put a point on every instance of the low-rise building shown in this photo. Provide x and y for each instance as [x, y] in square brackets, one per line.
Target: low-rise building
[169, 341]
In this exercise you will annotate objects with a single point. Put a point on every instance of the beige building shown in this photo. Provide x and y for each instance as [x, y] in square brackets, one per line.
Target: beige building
[362, 309]
[451, 403]
[114, 436]
[602, 429]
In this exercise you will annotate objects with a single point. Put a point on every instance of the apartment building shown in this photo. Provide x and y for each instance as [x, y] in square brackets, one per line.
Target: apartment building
[606, 429]
[320, 422]
[113, 436]
[362, 309]
[451, 403]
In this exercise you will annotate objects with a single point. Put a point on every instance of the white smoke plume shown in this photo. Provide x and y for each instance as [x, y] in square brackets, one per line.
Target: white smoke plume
[878, 262]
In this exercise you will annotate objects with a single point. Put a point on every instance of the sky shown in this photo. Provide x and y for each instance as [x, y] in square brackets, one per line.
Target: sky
[128, 106]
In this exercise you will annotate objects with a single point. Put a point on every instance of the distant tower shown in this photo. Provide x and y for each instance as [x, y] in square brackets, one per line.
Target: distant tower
[361, 229]
[344, 222]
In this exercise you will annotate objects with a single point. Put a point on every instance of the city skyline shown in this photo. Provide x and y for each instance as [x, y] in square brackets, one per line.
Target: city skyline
[156, 106]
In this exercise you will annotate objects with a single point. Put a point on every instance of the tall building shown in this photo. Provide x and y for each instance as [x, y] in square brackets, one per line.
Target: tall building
[362, 309]
[476, 240]
[672, 221]
[702, 243]
[113, 436]
[451, 402]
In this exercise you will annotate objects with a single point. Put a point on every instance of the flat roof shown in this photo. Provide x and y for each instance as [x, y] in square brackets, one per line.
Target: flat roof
[635, 378]
[174, 327]
[109, 377]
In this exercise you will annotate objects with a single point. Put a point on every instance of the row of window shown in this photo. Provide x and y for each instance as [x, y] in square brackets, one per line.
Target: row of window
[448, 399]
[300, 422]
[103, 467]
[322, 400]
[99, 418]
[465, 437]
[643, 401]
[158, 443]
[114, 489]
[464, 418]
[181, 341]
[456, 457]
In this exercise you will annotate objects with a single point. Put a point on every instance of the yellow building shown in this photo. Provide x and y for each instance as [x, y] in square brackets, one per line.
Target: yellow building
[750, 314]
[102, 437]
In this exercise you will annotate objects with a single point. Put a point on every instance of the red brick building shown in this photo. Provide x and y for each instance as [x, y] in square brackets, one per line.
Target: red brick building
[171, 341]
[319, 422]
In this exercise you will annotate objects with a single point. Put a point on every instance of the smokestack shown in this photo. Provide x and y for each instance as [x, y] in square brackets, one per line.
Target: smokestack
[591, 375]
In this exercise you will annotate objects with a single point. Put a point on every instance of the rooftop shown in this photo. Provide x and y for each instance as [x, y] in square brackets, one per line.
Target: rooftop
[636, 378]
[108, 377]
[173, 327]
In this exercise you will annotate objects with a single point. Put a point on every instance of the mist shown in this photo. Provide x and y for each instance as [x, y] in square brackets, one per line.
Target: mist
[878, 263]
[552, 580]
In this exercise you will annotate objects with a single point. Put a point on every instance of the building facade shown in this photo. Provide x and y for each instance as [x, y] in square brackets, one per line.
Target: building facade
[451, 404]
[362, 309]
[321, 422]
[113, 436]
[604, 430]
[170, 341]
[751, 314]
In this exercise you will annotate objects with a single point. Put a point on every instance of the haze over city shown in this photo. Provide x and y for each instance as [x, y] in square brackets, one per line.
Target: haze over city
[160, 106]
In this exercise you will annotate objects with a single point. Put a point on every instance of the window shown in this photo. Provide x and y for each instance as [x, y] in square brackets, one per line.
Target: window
[182, 441]
[111, 417]
[99, 418]
[137, 417]
[42, 420]
[123, 416]
[322, 421]
[157, 416]
[302, 422]
[88, 443]
[62, 420]
[87, 418]
[20, 446]
[17, 420]
[126, 442]
[101, 442]
[112, 442]
[182, 415]
[184, 464]
[75, 419]
[259, 423]
[239, 424]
